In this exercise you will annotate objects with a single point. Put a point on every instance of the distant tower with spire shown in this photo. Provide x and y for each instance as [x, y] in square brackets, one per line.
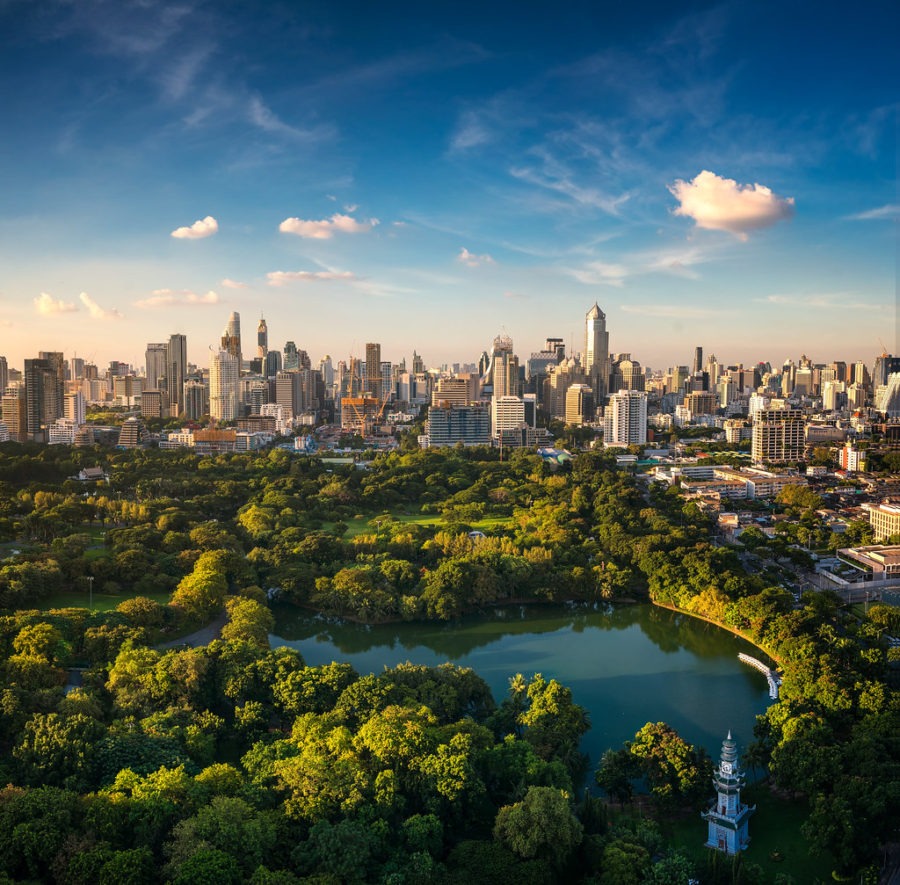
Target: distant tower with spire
[262, 339]
[596, 353]
[728, 819]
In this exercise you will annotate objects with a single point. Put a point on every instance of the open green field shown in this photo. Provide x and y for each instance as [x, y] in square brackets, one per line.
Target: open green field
[364, 524]
[102, 601]
[776, 843]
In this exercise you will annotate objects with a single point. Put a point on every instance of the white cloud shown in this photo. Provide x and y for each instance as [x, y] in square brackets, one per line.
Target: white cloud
[717, 203]
[327, 227]
[471, 260]
[890, 212]
[600, 273]
[96, 311]
[285, 277]
[205, 227]
[177, 298]
[234, 284]
[48, 306]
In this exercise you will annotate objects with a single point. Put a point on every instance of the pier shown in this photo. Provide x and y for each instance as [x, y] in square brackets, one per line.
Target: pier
[770, 674]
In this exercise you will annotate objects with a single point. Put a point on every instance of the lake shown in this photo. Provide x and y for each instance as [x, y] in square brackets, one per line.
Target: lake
[627, 666]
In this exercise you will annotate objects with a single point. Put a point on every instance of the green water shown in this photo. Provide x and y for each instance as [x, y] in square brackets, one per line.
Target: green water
[627, 666]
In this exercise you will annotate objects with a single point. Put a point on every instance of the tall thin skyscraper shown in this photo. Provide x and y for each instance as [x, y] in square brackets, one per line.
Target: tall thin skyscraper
[596, 352]
[176, 370]
[698, 360]
[223, 386]
[156, 356]
[4, 375]
[231, 337]
[373, 369]
[262, 339]
[43, 393]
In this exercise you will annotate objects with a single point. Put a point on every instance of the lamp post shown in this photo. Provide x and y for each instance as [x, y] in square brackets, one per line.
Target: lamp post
[90, 581]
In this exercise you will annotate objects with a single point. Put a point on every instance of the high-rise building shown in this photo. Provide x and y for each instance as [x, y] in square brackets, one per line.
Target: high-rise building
[43, 394]
[448, 425]
[698, 360]
[223, 386]
[291, 356]
[231, 337]
[196, 400]
[625, 419]
[262, 339]
[73, 408]
[14, 416]
[373, 370]
[579, 405]
[4, 374]
[596, 352]
[779, 436]
[157, 358]
[176, 372]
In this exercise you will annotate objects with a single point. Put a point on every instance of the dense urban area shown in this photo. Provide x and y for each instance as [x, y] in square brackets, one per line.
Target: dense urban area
[153, 522]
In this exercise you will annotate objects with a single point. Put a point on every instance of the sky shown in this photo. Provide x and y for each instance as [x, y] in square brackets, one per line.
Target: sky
[429, 175]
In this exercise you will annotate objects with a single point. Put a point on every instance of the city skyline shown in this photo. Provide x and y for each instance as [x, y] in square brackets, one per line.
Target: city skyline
[356, 175]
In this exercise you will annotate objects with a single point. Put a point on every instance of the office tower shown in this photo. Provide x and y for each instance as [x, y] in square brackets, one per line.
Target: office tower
[133, 434]
[841, 372]
[698, 360]
[196, 400]
[713, 369]
[73, 408]
[449, 425]
[272, 364]
[14, 417]
[557, 346]
[4, 374]
[596, 352]
[579, 405]
[154, 404]
[223, 386]
[860, 374]
[373, 370]
[778, 436]
[626, 374]
[43, 394]
[231, 337]
[559, 379]
[156, 357]
[507, 414]
[176, 372]
[289, 392]
[262, 339]
[418, 364]
[77, 368]
[291, 357]
[625, 419]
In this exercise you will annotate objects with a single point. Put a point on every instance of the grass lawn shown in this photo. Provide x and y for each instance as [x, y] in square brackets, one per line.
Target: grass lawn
[776, 843]
[360, 525]
[102, 601]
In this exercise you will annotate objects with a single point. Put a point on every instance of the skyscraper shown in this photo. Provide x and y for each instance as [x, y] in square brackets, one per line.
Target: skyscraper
[625, 419]
[223, 386]
[698, 360]
[373, 370]
[231, 337]
[43, 393]
[156, 356]
[176, 370]
[262, 339]
[779, 436]
[4, 374]
[596, 352]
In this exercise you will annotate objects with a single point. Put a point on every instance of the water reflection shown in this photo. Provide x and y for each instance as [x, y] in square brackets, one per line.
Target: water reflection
[626, 665]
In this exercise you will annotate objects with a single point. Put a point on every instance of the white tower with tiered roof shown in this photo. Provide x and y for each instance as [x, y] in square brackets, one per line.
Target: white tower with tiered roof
[728, 819]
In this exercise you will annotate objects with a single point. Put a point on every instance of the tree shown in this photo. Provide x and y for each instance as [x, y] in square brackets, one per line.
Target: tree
[678, 773]
[617, 770]
[541, 825]
[248, 620]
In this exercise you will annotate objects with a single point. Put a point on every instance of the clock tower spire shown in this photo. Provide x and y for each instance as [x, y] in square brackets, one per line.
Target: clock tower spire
[728, 819]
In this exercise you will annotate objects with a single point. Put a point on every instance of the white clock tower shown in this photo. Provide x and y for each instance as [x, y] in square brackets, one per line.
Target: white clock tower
[728, 819]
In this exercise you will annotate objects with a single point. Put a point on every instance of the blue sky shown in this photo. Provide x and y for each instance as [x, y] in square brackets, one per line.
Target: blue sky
[425, 175]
